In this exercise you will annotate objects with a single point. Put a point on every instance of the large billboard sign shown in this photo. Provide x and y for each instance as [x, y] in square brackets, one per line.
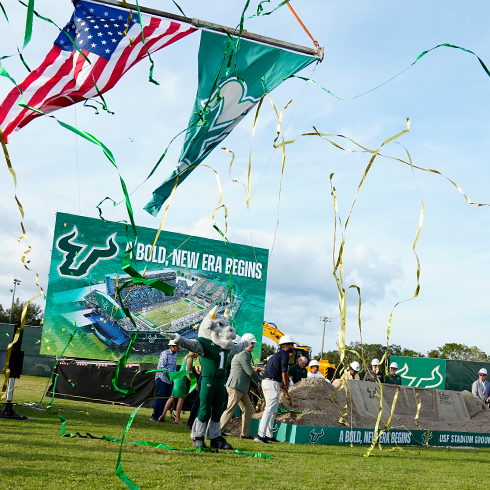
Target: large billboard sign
[86, 272]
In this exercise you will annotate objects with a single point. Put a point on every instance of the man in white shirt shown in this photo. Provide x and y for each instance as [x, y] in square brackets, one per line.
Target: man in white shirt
[481, 387]
[314, 373]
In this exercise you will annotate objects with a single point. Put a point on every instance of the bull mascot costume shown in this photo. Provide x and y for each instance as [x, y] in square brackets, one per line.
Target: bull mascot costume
[214, 344]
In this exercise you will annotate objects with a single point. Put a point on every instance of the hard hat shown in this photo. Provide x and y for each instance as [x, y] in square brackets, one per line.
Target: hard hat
[237, 339]
[355, 366]
[375, 362]
[250, 337]
[482, 371]
[394, 365]
[314, 363]
[172, 342]
[286, 339]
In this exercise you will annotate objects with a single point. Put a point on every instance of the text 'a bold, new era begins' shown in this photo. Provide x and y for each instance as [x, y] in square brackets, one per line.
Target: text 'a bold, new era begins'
[197, 260]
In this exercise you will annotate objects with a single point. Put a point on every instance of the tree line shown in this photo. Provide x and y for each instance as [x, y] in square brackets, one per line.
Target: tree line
[34, 314]
[450, 351]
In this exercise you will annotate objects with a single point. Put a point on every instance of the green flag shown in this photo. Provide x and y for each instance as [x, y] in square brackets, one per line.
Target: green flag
[229, 100]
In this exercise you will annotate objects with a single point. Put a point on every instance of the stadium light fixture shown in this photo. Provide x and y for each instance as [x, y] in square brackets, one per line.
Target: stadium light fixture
[324, 319]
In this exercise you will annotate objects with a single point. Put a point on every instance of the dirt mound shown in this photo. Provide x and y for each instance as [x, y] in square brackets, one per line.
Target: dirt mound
[473, 405]
[313, 398]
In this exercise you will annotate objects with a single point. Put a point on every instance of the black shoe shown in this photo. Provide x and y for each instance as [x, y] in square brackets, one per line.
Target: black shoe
[189, 427]
[221, 443]
[263, 440]
[199, 442]
[272, 439]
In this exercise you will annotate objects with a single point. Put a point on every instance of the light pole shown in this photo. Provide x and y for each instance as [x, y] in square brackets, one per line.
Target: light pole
[16, 283]
[324, 319]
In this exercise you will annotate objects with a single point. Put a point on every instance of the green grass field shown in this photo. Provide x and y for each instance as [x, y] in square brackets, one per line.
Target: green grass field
[164, 314]
[34, 456]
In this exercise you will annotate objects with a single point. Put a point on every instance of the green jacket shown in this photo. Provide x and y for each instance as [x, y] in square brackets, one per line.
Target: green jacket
[297, 373]
[242, 373]
[393, 380]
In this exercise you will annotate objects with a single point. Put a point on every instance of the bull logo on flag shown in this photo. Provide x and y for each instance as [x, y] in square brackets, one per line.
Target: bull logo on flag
[72, 251]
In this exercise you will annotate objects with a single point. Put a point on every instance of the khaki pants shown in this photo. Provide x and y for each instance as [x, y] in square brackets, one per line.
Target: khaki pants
[237, 397]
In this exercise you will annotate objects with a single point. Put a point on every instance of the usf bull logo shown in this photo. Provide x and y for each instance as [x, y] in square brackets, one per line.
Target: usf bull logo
[314, 437]
[73, 251]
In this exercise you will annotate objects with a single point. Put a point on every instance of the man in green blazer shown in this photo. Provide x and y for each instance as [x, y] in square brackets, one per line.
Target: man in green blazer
[242, 375]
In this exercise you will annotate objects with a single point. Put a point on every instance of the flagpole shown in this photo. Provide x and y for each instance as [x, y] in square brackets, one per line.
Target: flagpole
[315, 52]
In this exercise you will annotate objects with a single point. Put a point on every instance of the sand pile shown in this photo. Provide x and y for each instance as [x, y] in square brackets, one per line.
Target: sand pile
[312, 397]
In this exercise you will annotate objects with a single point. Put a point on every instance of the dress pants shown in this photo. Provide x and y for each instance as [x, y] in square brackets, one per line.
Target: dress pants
[271, 392]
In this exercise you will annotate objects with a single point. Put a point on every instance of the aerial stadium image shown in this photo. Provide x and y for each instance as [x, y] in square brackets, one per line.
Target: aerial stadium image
[154, 312]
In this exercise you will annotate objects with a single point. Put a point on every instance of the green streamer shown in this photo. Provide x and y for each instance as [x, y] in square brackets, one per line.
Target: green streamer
[144, 44]
[421, 55]
[54, 368]
[4, 12]
[282, 411]
[19, 52]
[171, 376]
[260, 9]
[121, 364]
[29, 20]
[120, 473]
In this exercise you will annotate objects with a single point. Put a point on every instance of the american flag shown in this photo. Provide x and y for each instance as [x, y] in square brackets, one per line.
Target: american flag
[65, 77]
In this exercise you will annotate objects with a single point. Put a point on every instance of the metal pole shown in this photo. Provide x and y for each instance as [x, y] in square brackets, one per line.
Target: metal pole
[16, 281]
[324, 319]
[315, 52]
[323, 338]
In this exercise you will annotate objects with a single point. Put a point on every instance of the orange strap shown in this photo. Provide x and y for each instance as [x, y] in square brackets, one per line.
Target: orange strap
[302, 25]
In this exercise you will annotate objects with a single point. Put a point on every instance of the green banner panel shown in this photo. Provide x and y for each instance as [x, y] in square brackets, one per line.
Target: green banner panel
[338, 436]
[34, 363]
[85, 275]
[460, 375]
[421, 372]
[31, 341]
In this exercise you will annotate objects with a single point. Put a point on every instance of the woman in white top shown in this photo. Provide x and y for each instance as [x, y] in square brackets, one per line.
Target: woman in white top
[314, 366]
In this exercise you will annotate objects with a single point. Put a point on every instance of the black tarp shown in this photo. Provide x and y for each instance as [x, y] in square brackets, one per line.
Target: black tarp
[94, 383]
[460, 375]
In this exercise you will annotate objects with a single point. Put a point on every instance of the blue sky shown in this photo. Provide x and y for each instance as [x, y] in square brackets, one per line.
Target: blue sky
[366, 43]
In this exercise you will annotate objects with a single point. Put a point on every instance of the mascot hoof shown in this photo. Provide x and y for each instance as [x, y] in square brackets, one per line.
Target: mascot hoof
[221, 443]
[199, 442]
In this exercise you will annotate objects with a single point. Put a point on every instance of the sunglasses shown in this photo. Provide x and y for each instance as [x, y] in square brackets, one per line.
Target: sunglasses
[481, 374]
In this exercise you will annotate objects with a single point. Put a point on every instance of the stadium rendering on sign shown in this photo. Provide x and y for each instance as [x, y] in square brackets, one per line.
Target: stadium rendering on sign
[153, 311]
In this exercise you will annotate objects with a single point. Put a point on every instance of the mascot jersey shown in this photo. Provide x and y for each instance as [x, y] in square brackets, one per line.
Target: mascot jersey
[213, 360]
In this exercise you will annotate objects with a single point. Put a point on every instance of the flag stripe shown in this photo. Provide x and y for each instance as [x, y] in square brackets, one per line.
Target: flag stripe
[14, 95]
[35, 99]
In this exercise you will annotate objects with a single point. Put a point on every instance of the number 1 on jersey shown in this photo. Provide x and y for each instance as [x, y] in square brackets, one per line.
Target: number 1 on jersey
[221, 360]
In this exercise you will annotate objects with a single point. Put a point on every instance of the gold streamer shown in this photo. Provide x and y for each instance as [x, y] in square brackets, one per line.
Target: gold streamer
[23, 258]
[250, 153]
[376, 435]
[218, 206]
[283, 161]
[419, 405]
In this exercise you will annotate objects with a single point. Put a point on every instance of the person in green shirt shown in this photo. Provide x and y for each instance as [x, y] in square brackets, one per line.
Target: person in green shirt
[298, 371]
[392, 378]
